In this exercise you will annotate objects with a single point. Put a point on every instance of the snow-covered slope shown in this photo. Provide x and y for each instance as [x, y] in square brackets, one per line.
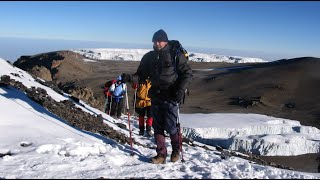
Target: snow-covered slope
[37, 144]
[137, 54]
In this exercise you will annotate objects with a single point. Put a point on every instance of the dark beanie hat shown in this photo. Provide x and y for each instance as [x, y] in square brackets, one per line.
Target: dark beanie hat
[160, 36]
[125, 77]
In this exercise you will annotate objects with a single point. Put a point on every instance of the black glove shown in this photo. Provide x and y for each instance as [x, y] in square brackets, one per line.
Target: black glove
[179, 96]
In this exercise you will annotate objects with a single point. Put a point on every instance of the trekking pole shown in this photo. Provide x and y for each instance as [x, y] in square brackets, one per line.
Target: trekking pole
[127, 103]
[180, 134]
[106, 103]
[110, 105]
[134, 102]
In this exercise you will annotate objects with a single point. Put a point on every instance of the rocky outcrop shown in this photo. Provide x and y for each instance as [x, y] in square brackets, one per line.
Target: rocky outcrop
[47, 65]
[4, 81]
[243, 102]
[83, 93]
[63, 68]
[39, 65]
[41, 72]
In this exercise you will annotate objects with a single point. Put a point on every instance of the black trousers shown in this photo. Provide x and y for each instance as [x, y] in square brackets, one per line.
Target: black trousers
[165, 116]
[117, 107]
[144, 111]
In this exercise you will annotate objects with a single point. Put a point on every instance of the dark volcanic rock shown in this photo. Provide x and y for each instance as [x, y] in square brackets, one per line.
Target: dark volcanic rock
[4, 81]
[290, 105]
[77, 93]
[240, 101]
[5, 154]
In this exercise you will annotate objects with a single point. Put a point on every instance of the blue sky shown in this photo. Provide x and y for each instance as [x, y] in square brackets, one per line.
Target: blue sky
[273, 27]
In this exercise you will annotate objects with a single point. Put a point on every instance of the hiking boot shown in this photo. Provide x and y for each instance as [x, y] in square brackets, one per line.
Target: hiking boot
[149, 133]
[175, 156]
[158, 159]
[141, 132]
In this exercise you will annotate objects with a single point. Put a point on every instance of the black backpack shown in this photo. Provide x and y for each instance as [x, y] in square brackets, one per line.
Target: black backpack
[175, 51]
